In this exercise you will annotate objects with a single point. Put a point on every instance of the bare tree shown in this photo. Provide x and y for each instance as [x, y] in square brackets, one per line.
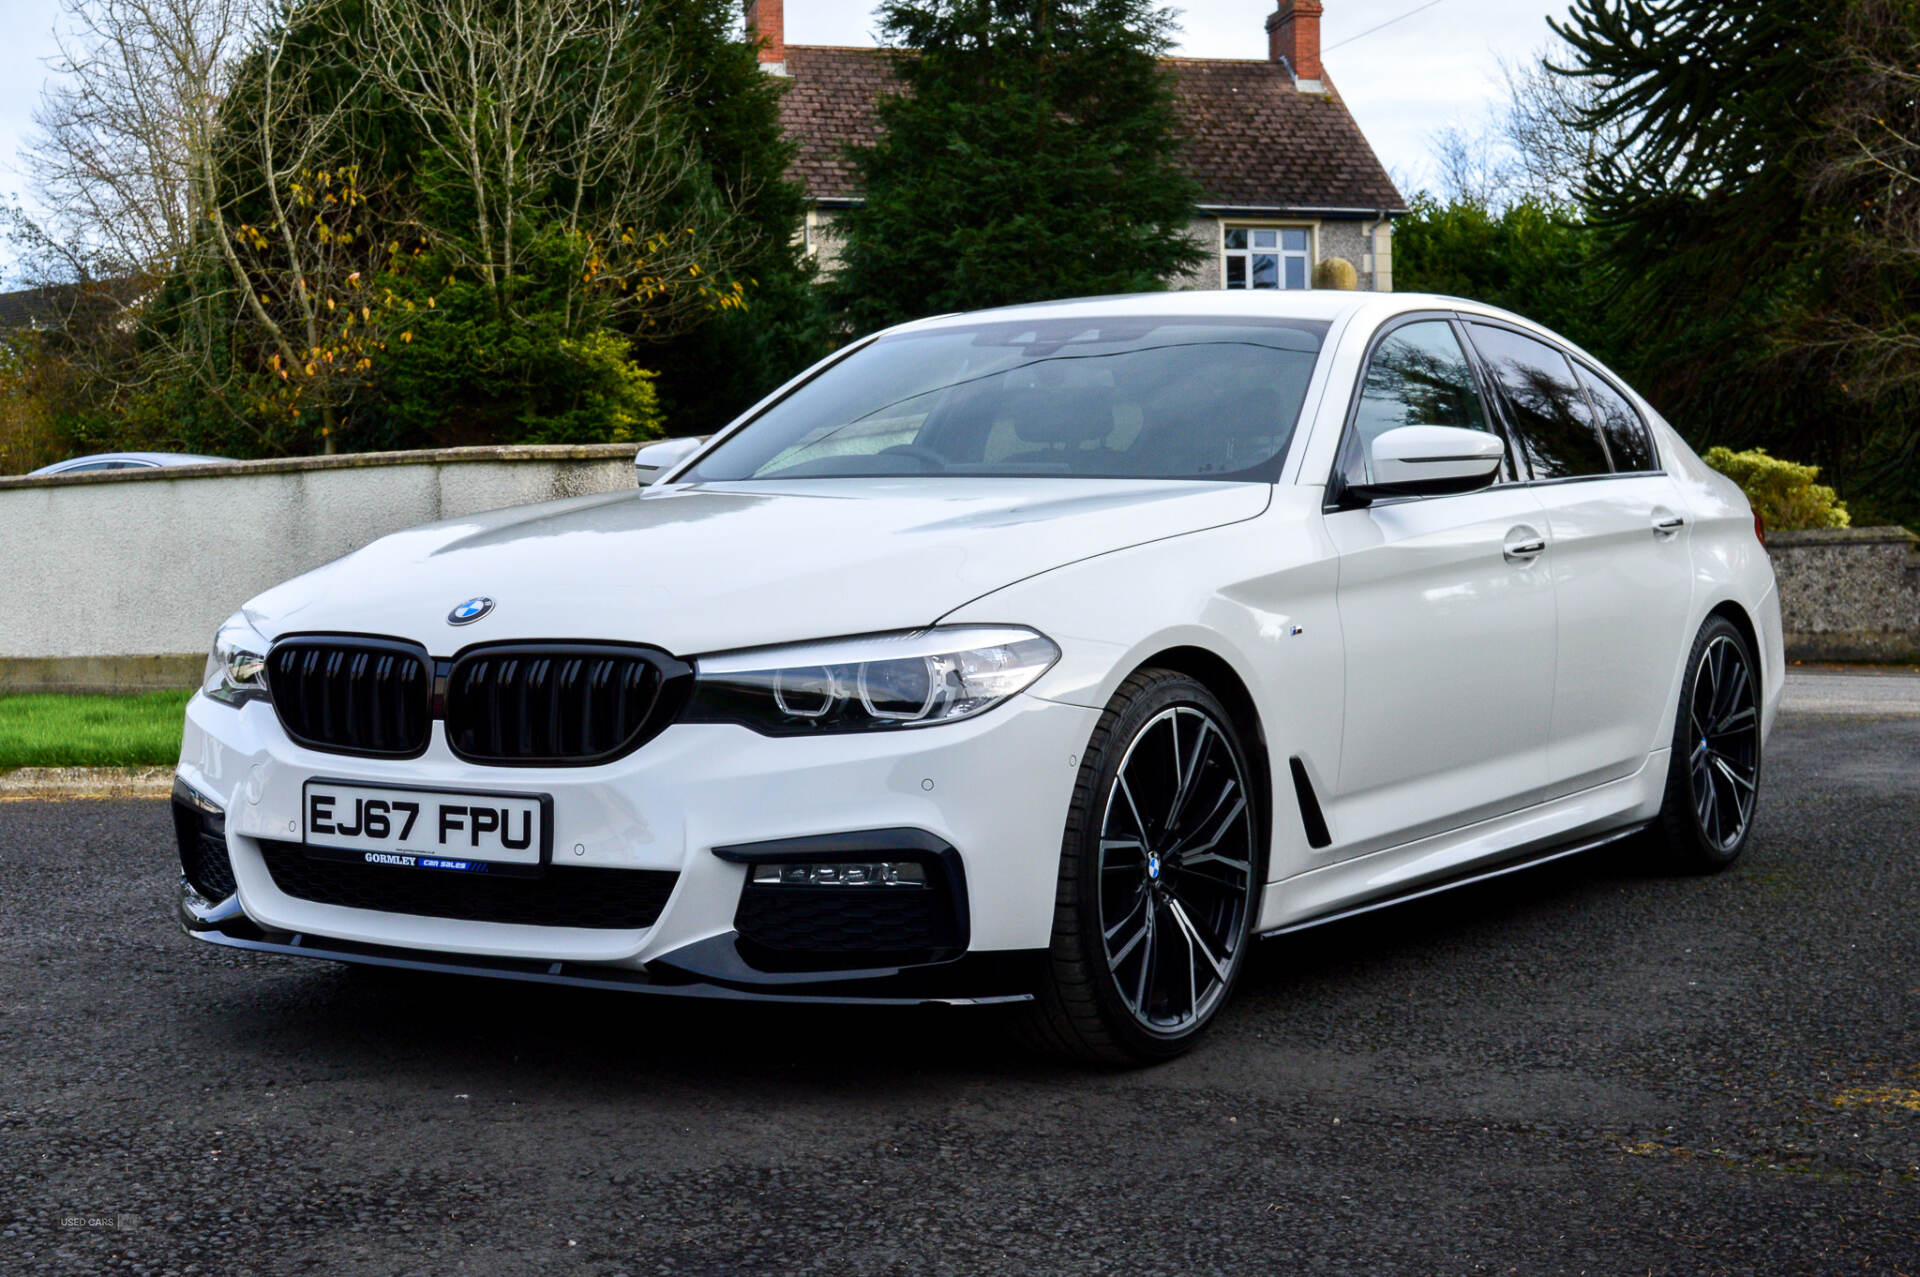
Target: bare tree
[138, 156]
[1471, 167]
[1870, 167]
[206, 163]
[122, 133]
[557, 113]
[133, 103]
[306, 267]
[1542, 126]
[1532, 146]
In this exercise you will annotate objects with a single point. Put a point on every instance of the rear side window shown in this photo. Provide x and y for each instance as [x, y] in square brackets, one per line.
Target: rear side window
[1627, 436]
[1546, 406]
[1418, 376]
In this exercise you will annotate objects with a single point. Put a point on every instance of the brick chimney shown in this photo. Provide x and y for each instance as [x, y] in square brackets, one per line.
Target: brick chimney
[1293, 38]
[767, 23]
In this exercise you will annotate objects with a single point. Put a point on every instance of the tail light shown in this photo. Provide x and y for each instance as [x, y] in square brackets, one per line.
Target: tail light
[1760, 527]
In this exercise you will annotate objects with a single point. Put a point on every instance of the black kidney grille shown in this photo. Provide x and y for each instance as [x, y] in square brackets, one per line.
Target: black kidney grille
[607, 899]
[351, 695]
[564, 705]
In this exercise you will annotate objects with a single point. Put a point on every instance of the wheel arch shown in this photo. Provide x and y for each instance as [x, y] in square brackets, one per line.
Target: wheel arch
[1737, 614]
[1218, 676]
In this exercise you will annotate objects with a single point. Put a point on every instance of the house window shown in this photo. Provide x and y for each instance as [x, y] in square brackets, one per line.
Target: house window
[1268, 256]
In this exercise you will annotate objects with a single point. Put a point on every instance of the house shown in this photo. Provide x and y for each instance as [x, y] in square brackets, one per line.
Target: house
[1289, 179]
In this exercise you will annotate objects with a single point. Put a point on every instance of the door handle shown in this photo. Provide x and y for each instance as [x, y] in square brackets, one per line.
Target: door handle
[1524, 545]
[1667, 526]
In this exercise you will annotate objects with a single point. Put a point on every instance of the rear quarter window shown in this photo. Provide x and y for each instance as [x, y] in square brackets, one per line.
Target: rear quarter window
[1545, 404]
[1628, 438]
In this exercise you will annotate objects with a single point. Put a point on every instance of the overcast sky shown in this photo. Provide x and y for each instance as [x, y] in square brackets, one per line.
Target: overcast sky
[1438, 66]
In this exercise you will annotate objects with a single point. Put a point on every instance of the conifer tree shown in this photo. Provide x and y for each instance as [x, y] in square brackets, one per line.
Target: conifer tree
[1033, 155]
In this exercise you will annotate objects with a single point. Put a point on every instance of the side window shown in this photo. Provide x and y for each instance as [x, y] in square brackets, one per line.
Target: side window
[1627, 436]
[1547, 409]
[1418, 376]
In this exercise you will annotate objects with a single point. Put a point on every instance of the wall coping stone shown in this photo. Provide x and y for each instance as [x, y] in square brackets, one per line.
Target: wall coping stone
[344, 461]
[1842, 536]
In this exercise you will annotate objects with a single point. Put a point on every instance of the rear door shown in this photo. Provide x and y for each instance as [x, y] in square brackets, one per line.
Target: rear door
[1447, 616]
[1620, 559]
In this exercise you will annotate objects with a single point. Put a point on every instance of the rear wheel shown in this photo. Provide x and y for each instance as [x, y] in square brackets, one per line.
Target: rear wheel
[1713, 779]
[1159, 878]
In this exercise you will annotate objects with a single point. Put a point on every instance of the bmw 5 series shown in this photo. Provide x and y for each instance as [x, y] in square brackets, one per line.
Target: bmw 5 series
[1047, 656]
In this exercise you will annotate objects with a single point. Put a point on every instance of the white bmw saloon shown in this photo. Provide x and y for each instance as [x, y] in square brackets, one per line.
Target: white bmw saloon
[1051, 655]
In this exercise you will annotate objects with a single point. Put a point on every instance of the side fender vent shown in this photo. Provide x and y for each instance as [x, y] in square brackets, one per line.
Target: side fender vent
[1310, 817]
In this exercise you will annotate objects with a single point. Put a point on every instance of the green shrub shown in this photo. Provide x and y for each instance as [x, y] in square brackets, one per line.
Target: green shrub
[1784, 492]
[28, 439]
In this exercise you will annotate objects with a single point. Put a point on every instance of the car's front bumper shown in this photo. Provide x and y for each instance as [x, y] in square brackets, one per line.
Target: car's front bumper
[994, 791]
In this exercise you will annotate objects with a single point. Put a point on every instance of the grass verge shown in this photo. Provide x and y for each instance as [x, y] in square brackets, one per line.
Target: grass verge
[91, 731]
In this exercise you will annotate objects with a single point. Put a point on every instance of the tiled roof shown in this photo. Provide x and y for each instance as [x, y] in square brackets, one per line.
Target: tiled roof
[36, 307]
[1253, 140]
[831, 103]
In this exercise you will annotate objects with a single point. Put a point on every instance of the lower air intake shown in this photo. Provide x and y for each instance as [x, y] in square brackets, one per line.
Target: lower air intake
[202, 837]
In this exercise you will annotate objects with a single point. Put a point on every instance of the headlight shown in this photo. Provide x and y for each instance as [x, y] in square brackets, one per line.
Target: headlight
[869, 684]
[237, 667]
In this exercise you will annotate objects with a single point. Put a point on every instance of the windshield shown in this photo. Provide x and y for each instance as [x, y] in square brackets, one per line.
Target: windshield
[1123, 397]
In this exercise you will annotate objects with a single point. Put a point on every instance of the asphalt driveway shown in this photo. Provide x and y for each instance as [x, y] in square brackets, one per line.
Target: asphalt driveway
[1587, 1069]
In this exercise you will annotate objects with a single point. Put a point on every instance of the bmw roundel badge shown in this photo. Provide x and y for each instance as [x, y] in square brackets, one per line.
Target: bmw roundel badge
[469, 612]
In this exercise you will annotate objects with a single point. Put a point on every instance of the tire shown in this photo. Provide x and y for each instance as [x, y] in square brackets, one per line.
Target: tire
[1147, 872]
[1713, 779]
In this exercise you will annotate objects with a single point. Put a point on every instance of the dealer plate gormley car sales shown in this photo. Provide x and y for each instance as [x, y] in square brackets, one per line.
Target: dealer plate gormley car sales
[1046, 656]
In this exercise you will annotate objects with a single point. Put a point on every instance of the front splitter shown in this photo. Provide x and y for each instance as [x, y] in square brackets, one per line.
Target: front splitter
[987, 979]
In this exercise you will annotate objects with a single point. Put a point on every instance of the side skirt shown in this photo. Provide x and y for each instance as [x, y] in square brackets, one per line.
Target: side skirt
[1532, 860]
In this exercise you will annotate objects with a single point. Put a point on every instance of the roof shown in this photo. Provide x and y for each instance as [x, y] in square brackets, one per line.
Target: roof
[66, 305]
[832, 103]
[1320, 304]
[37, 307]
[1253, 140]
[1324, 305]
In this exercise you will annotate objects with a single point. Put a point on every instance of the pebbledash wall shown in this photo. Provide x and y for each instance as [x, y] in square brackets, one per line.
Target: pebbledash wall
[1849, 594]
[116, 581]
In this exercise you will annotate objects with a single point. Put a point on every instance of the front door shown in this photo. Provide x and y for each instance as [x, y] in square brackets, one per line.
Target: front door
[1447, 617]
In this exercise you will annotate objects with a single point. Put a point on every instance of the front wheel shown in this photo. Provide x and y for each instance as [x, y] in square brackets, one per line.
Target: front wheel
[1713, 779]
[1159, 878]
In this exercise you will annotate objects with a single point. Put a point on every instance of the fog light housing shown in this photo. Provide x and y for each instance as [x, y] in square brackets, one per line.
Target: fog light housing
[883, 873]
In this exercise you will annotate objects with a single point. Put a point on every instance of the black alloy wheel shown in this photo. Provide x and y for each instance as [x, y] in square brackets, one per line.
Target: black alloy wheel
[1713, 781]
[1160, 877]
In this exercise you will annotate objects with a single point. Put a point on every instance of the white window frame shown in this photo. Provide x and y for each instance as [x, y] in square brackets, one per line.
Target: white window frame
[1307, 258]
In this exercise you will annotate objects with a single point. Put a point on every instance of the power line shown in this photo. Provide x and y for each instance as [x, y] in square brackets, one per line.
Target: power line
[1382, 27]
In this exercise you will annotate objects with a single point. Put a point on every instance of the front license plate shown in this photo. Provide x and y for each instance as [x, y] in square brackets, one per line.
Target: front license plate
[424, 828]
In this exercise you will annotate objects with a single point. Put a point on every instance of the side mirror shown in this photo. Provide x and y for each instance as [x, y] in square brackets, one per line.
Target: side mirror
[1431, 461]
[656, 459]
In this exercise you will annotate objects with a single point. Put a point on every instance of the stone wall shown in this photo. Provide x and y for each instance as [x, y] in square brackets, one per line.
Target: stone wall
[116, 581]
[1849, 594]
